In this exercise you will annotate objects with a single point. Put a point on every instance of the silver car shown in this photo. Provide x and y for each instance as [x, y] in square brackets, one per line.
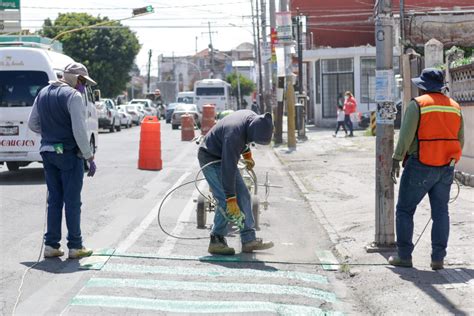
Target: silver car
[135, 111]
[182, 109]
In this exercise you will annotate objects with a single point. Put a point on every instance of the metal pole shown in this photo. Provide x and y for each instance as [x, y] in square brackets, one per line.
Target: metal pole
[267, 66]
[239, 95]
[148, 74]
[259, 58]
[211, 50]
[384, 199]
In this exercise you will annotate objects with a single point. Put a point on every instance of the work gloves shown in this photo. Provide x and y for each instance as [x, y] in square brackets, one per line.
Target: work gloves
[395, 173]
[92, 168]
[249, 162]
[233, 210]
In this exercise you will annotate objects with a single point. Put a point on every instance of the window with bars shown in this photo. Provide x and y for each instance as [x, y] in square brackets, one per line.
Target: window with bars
[367, 80]
[337, 78]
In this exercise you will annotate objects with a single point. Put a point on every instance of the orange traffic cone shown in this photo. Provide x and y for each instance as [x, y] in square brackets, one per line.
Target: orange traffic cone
[150, 144]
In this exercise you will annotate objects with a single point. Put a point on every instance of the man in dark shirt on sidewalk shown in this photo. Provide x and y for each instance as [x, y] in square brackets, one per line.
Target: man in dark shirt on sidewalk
[219, 154]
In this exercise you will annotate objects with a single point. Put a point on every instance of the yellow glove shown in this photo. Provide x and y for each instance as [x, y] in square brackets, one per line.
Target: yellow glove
[249, 160]
[233, 210]
[232, 206]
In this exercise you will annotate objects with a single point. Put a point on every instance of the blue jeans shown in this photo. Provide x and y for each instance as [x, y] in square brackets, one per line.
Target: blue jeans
[418, 180]
[213, 176]
[64, 174]
[348, 122]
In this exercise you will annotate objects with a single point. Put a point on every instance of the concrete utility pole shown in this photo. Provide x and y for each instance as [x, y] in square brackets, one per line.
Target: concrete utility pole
[290, 91]
[148, 74]
[384, 195]
[277, 134]
[259, 58]
[211, 52]
[267, 71]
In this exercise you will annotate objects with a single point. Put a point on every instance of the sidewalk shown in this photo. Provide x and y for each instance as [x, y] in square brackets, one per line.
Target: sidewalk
[337, 177]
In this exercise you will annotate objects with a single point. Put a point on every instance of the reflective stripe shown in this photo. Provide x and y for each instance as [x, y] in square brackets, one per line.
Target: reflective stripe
[439, 108]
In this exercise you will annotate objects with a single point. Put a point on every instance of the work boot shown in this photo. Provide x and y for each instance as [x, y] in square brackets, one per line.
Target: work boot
[50, 252]
[80, 253]
[256, 244]
[437, 265]
[399, 262]
[218, 246]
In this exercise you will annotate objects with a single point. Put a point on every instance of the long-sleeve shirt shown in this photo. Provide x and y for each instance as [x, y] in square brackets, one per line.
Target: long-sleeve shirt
[407, 141]
[77, 110]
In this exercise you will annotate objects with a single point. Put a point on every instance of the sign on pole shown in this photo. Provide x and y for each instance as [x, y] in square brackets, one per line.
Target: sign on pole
[10, 26]
[9, 4]
[284, 28]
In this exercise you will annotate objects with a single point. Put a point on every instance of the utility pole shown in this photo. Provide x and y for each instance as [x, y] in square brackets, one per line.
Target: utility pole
[196, 50]
[384, 195]
[267, 65]
[259, 58]
[290, 91]
[277, 116]
[148, 75]
[211, 49]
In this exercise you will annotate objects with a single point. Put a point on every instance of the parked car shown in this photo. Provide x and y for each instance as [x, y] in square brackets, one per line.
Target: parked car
[148, 106]
[125, 118]
[169, 111]
[182, 109]
[108, 115]
[135, 112]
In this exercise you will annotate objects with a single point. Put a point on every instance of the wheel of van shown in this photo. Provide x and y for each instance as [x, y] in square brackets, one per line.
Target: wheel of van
[201, 215]
[255, 211]
[119, 127]
[112, 127]
[13, 165]
[174, 126]
[92, 144]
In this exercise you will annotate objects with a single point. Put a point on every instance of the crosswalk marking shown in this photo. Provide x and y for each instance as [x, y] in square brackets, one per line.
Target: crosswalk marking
[201, 307]
[213, 287]
[216, 272]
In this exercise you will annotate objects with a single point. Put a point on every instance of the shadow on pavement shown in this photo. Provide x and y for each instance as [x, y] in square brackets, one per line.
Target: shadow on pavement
[55, 265]
[426, 281]
[29, 176]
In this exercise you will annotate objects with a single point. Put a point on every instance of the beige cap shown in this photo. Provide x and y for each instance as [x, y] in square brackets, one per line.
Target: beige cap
[79, 69]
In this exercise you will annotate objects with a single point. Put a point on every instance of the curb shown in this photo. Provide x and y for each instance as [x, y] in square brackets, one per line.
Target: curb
[341, 252]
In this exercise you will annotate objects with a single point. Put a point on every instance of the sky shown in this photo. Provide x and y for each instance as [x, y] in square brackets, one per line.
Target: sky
[172, 28]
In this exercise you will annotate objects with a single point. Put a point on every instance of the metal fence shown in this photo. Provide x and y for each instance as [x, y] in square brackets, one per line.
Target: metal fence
[462, 84]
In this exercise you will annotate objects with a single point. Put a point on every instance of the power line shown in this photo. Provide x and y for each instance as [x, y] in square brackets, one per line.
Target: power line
[130, 8]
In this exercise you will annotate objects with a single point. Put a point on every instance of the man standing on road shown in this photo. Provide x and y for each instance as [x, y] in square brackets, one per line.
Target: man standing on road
[432, 137]
[219, 154]
[59, 115]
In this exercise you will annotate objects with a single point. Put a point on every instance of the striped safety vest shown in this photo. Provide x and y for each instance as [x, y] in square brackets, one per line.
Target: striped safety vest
[438, 129]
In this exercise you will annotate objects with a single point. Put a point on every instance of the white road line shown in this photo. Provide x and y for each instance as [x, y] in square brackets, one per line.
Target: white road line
[138, 231]
[168, 245]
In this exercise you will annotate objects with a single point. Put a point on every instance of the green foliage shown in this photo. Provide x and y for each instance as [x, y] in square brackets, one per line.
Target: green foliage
[247, 86]
[108, 53]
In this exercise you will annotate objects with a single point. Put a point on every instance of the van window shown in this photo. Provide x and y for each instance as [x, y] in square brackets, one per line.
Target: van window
[188, 100]
[20, 88]
[209, 91]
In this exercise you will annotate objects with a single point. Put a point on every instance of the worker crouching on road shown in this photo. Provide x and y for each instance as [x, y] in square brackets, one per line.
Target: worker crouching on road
[59, 115]
[224, 144]
[432, 137]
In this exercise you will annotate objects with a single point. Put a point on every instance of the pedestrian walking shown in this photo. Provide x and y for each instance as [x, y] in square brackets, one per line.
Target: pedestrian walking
[255, 107]
[59, 115]
[218, 155]
[340, 120]
[350, 106]
[430, 142]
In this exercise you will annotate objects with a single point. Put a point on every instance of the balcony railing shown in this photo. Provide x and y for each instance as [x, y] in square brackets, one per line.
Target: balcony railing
[462, 84]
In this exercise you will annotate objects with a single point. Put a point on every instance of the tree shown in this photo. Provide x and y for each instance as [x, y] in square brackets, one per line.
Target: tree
[247, 86]
[108, 53]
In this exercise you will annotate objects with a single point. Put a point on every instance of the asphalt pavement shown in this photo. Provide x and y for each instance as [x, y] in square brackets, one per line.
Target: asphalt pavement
[138, 269]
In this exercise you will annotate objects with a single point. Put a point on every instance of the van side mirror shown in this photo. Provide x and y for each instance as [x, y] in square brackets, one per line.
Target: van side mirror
[96, 95]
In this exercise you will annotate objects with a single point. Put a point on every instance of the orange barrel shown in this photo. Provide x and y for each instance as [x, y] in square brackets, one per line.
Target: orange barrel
[149, 157]
[208, 118]
[187, 127]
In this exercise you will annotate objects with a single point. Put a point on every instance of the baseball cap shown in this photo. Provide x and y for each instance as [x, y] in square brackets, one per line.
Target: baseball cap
[79, 69]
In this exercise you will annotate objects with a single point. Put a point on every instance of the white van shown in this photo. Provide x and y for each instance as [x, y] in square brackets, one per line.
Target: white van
[24, 71]
[213, 91]
[185, 97]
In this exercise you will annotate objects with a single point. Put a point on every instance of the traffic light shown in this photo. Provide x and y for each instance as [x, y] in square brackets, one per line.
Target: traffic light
[144, 10]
